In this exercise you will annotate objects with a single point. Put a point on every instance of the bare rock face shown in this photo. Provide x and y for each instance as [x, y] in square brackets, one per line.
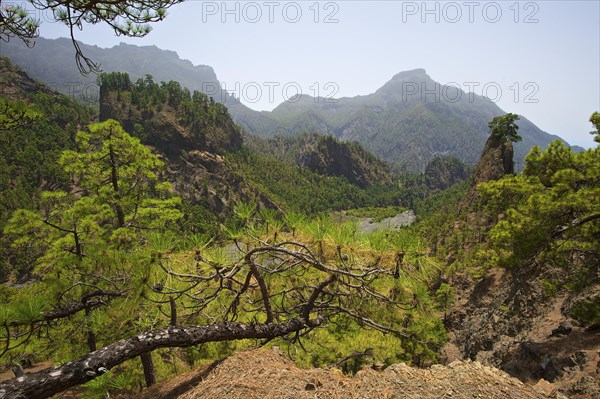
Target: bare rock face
[495, 162]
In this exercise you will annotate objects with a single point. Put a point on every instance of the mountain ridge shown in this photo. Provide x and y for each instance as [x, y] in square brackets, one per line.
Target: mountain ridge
[406, 122]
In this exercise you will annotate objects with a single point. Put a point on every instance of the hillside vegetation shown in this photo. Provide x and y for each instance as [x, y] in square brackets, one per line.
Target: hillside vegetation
[155, 240]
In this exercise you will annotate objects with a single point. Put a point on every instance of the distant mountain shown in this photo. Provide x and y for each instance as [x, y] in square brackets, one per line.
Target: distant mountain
[404, 122]
[409, 121]
[52, 61]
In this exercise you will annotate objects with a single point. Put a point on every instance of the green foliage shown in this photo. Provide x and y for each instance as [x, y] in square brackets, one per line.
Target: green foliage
[122, 194]
[550, 210]
[325, 155]
[587, 311]
[294, 187]
[244, 211]
[443, 172]
[298, 189]
[293, 220]
[112, 225]
[114, 81]
[36, 132]
[16, 21]
[376, 213]
[549, 287]
[29, 151]
[15, 114]
[156, 112]
[441, 205]
[114, 167]
[545, 219]
[29, 309]
[88, 239]
[197, 219]
[595, 120]
[101, 387]
[444, 297]
[505, 128]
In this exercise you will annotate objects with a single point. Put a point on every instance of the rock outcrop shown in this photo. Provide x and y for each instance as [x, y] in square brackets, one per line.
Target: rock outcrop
[165, 128]
[191, 139]
[331, 157]
[495, 162]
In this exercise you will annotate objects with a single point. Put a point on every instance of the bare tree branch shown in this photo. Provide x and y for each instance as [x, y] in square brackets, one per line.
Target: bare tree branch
[48, 382]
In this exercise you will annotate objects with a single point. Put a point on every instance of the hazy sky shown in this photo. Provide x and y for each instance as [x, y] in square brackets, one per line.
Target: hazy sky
[540, 59]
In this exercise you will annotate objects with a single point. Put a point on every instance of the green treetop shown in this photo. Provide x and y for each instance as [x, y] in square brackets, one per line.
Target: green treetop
[505, 128]
[87, 236]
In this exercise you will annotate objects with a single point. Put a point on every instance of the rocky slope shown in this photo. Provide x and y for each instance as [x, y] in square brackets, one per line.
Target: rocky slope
[327, 156]
[506, 320]
[513, 319]
[270, 374]
[192, 137]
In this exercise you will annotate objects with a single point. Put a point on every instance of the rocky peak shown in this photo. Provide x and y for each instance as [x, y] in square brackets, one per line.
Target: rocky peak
[407, 85]
[413, 75]
[495, 162]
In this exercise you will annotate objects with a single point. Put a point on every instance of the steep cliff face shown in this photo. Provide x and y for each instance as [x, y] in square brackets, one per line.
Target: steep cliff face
[496, 161]
[192, 134]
